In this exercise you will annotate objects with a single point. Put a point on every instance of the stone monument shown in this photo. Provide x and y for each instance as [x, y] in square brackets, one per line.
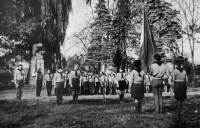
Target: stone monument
[37, 61]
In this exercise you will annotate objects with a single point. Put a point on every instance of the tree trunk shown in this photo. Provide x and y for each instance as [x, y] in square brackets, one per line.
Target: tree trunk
[193, 65]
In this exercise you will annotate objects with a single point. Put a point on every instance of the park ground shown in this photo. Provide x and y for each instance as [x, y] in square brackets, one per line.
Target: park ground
[43, 112]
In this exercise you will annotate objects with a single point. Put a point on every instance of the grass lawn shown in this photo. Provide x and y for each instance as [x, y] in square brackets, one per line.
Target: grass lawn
[92, 114]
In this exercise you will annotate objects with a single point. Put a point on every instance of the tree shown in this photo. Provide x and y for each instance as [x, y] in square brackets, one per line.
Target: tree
[101, 49]
[190, 18]
[164, 23]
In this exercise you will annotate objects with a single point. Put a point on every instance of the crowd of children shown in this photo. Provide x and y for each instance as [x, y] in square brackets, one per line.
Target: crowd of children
[135, 81]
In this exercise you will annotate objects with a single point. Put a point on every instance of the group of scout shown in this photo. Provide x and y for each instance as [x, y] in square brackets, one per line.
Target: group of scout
[112, 83]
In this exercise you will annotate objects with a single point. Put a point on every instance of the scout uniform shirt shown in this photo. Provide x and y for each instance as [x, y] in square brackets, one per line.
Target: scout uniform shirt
[59, 78]
[19, 75]
[48, 77]
[73, 74]
[91, 78]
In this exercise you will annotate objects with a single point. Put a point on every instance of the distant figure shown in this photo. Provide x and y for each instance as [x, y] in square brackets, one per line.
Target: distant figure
[74, 81]
[121, 79]
[147, 82]
[48, 82]
[103, 86]
[67, 88]
[157, 72]
[39, 80]
[180, 82]
[59, 83]
[19, 81]
[137, 85]
[91, 78]
[85, 83]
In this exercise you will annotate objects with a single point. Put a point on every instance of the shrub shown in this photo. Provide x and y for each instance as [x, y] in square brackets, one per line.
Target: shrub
[186, 119]
[5, 78]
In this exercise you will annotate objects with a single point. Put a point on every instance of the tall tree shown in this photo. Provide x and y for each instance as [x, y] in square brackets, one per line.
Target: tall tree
[164, 23]
[190, 18]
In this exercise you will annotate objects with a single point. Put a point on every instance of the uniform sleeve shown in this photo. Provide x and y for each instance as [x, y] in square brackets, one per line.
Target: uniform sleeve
[55, 77]
[173, 78]
[24, 78]
[131, 78]
[15, 77]
[151, 71]
[70, 78]
[186, 79]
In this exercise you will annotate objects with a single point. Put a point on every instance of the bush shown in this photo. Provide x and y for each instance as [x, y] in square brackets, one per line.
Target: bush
[186, 119]
[5, 78]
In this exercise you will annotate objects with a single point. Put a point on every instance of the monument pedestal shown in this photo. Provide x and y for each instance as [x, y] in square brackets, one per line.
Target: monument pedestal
[36, 62]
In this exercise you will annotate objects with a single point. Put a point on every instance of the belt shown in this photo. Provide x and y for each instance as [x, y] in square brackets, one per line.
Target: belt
[121, 80]
[157, 78]
[138, 82]
[60, 82]
[180, 80]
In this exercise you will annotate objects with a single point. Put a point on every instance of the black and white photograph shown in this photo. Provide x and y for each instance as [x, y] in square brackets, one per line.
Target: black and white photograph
[99, 63]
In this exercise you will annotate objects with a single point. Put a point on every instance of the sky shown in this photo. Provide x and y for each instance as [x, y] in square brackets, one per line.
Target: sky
[81, 13]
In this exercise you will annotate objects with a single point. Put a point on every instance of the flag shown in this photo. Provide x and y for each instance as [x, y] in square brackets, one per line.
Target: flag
[147, 46]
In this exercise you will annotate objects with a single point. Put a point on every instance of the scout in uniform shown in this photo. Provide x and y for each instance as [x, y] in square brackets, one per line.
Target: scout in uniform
[91, 83]
[39, 80]
[67, 88]
[137, 85]
[121, 84]
[48, 82]
[59, 83]
[97, 84]
[180, 82]
[74, 81]
[85, 83]
[19, 81]
[103, 86]
[157, 72]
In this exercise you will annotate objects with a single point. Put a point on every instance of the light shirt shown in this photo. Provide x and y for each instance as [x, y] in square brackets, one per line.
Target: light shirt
[19, 75]
[96, 79]
[91, 78]
[159, 71]
[48, 77]
[59, 78]
[136, 78]
[121, 76]
[177, 75]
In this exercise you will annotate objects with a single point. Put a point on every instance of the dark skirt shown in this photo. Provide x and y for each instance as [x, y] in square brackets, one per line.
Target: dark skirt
[75, 83]
[86, 85]
[137, 91]
[91, 85]
[180, 90]
[122, 85]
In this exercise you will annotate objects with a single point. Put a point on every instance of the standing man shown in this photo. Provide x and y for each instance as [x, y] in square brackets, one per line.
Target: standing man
[39, 79]
[19, 80]
[59, 81]
[48, 82]
[157, 72]
[74, 81]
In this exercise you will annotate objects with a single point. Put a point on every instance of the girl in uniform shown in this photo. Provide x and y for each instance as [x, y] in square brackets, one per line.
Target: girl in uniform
[39, 81]
[180, 82]
[91, 83]
[137, 85]
[97, 84]
[147, 82]
[67, 87]
[121, 84]
[103, 86]
[74, 81]
[84, 81]
[48, 82]
[59, 83]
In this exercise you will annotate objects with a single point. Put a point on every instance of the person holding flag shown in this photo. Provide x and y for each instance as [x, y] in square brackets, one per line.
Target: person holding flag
[157, 72]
